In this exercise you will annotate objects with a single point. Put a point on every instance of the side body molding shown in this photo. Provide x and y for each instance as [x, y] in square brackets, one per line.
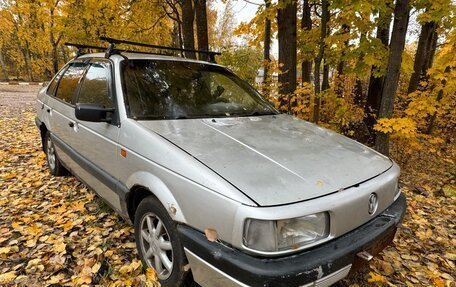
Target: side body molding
[160, 190]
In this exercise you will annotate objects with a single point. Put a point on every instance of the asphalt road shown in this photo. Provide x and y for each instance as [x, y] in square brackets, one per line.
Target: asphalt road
[15, 99]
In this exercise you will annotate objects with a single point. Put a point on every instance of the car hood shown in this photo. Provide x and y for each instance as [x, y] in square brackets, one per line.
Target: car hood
[274, 160]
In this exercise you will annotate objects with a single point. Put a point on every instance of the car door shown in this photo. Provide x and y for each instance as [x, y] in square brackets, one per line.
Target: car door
[60, 108]
[97, 142]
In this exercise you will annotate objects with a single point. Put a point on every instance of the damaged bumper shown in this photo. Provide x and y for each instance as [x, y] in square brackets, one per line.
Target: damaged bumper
[214, 264]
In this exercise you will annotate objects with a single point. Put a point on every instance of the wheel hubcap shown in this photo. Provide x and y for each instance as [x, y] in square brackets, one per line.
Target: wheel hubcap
[50, 152]
[156, 245]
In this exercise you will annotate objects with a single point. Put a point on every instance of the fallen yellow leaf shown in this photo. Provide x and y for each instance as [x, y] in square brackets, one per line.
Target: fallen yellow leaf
[8, 277]
[17, 225]
[125, 269]
[78, 206]
[67, 226]
[129, 245]
[84, 279]
[151, 275]
[9, 175]
[59, 247]
[375, 277]
[211, 234]
[5, 250]
[31, 243]
[96, 267]
[33, 262]
[56, 279]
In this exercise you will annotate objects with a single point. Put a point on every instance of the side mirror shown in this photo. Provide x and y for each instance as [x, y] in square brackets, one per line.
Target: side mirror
[93, 113]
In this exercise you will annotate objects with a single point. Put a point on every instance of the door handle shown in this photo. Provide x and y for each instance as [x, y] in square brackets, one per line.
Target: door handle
[48, 110]
[71, 124]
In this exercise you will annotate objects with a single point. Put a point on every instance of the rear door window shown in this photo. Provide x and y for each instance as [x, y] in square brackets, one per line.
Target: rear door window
[95, 86]
[68, 84]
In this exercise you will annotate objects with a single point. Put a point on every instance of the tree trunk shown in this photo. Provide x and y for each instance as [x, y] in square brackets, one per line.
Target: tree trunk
[188, 15]
[318, 59]
[3, 67]
[325, 81]
[358, 91]
[179, 32]
[374, 92]
[422, 51]
[28, 65]
[431, 51]
[286, 20]
[432, 118]
[64, 53]
[55, 59]
[340, 79]
[306, 24]
[401, 17]
[201, 28]
[267, 43]
[341, 65]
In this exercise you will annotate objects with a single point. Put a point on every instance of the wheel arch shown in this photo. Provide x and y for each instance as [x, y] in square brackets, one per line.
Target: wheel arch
[143, 184]
[43, 131]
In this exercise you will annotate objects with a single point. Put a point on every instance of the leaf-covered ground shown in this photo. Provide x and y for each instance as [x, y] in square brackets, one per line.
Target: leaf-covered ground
[56, 232]
[53, 230]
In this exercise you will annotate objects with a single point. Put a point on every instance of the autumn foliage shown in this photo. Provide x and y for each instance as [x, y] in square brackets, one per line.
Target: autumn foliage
[357, 48]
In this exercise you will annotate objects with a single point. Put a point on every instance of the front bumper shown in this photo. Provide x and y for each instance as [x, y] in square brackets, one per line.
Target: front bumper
[215, 264]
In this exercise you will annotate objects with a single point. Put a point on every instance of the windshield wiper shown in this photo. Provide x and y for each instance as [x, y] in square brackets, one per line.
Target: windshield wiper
[255, 114]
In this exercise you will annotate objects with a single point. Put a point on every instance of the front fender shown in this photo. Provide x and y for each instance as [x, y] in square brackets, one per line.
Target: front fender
[158, 188]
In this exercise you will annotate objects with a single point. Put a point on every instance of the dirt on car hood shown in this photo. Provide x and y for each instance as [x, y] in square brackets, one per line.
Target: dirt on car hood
[274, 160]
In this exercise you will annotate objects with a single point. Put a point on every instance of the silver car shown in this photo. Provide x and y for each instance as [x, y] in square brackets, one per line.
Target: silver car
[221, 188]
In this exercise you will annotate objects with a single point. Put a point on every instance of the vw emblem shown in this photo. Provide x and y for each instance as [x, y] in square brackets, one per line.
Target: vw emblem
[373, 203]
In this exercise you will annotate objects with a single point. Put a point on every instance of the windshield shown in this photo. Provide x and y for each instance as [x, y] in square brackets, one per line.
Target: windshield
[178, 90]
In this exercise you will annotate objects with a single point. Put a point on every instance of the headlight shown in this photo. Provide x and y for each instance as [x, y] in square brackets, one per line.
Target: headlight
[281, 235]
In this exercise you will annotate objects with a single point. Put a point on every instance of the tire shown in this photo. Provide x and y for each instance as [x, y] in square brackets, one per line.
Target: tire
[55, 166]
[158, 243]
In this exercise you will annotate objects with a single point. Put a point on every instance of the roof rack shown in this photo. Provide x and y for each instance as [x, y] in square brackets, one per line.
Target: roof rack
[113, 42]
[111, 49]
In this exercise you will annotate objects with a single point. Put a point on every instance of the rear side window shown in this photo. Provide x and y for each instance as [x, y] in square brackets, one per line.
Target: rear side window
[53, 84]
[95, 86]
[69, 82]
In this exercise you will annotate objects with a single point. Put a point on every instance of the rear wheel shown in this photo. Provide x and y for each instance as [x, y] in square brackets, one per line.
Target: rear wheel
[55, 166]
[158, 243]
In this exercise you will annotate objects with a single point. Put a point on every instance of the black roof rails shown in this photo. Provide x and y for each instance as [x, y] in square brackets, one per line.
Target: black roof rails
[113, 42]
[111, 49]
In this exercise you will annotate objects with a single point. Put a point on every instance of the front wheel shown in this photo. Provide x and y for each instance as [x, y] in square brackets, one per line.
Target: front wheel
[158, 243]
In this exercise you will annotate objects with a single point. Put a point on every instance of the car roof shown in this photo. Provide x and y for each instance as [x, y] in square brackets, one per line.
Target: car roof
[145, 56]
